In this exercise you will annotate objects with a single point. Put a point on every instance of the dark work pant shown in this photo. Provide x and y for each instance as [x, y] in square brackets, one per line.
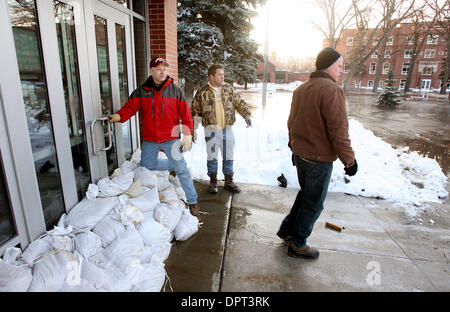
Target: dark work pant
[314, 178]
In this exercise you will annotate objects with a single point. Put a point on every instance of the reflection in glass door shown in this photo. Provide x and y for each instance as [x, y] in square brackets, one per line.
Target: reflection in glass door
[7, 229]
[35, 97]
[104, 74]
[123, 85]
[65, 28]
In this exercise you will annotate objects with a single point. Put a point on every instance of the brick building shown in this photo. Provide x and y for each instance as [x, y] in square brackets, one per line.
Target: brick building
[66, 65]
[279, 73]
[398, 51]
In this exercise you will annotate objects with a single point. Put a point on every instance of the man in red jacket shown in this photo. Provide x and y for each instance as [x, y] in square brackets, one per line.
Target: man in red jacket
[318, 135]
[161, 105]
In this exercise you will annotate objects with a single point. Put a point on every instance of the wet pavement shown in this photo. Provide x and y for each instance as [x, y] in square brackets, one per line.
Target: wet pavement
[379, 249]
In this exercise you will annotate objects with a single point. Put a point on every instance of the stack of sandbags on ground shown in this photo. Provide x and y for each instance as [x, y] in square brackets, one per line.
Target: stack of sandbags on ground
[116, 239]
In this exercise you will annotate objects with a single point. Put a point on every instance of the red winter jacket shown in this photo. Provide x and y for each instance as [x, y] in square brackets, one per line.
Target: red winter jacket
[160, 111]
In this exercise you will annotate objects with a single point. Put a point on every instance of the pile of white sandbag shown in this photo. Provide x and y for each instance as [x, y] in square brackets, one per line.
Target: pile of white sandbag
[115, 239]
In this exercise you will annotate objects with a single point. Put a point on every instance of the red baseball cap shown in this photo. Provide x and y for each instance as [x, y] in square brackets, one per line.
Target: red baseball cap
[157, 61]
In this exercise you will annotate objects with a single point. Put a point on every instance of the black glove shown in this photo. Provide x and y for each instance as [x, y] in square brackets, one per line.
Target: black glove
[248, 121]
[282, 180]
[351, 171]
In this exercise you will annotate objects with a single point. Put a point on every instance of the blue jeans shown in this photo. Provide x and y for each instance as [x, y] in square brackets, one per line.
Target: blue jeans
[314, 178]
[222, 139]
[175, 162]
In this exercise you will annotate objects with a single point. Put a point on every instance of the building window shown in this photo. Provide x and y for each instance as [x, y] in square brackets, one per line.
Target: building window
[405, 68]
[390, 41]
[432, 39]
[402, 84]
[370, 83]
[386, 67]
[373, 67]
[347, 53]
[346, 68]
[349, 41]
[374, 54]
[375, 41]
[427, 71]
[430, 53]
[387, 54]
[357, 83]
[408, 53]
[425, 84]
[410, 40]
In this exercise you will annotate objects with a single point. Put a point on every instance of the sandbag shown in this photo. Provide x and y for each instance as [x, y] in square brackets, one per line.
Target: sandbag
[153, 233]
[135, 189]
[11, 255]
[178, 189]
[126, 251]
[160, 252]
[108, 229]
[147, 177]
[131, 215]
[168, 195]
[108, 188]
[53, 271]
[102, 279]
[14, 278]
[92, 191]
[88, 244]
[169, 216]
[128, 166]
[87, 213]
[187, 226]
[156, 274]
[37, 249]
[136, 157]
[147, 201]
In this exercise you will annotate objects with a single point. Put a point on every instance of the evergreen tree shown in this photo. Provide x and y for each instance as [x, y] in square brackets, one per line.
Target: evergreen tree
[216, 31]
[390, 95]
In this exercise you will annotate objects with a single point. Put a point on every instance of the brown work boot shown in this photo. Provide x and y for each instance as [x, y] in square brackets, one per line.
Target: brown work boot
[193, 208]
[305, 252]
[229, 184]
[213, 183]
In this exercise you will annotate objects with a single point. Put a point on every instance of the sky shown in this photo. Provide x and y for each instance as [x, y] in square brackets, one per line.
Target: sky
[290, 31]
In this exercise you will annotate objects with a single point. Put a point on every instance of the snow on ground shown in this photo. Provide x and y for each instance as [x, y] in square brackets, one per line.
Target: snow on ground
[262, 154]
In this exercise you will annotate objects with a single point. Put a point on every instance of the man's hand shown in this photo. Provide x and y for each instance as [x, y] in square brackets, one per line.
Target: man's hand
[351, 171]
[186, 143]
[248, 121]
[114, 118]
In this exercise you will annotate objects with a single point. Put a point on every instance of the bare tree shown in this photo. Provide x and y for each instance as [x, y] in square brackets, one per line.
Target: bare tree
[393, 13]
[442, 10]
[335, 23]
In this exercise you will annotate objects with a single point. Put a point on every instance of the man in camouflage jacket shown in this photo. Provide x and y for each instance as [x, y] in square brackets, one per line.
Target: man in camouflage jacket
[216, 103]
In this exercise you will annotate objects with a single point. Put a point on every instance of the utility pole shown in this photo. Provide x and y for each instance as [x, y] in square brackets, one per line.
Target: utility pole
[266, 55]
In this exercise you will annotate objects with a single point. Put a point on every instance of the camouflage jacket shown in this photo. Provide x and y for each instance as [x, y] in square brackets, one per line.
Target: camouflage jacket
[203, 105]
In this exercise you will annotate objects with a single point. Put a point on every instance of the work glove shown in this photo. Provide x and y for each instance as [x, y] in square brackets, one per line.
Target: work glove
[186, 143]
[351, 171]
[114, 118]
[248, 121]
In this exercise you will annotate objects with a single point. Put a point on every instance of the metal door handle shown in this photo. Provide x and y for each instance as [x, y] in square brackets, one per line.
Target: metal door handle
[94, 148]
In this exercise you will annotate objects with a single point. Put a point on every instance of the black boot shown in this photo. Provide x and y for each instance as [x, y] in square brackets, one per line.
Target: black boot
[229, 184]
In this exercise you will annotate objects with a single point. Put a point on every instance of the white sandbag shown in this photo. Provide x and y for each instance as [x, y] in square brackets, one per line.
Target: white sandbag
[163, 183]
[88, 244]
[178, 189]
[187, 226]
[169, 216]
[135, 189]
[168, 195]
[153, 233]
[14, 278]
[124, 180]
[131, 215]
[160, 252]
[108, 229]
[53, 271]
[92, 191]
[147, 201]
[37, 249]
[128, 166]
[147, 177]
[148, 215]
[147, 254]
[108, 188]
[156, 274]
[136, 157]
[11, 255]
[82, 286]
[102, 279]
[87, 213]
[126, 251]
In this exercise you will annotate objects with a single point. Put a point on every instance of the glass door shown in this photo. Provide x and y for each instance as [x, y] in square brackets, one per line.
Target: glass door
[110, 55]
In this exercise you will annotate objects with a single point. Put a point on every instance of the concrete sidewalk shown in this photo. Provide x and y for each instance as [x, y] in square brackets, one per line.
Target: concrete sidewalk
[380, 249]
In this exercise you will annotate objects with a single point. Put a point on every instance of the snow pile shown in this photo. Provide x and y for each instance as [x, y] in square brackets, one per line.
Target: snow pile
[262, 154]
[115, 239]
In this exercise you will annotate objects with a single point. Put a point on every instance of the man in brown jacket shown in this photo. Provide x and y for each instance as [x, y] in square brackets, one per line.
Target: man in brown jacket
[216, 103]
[318, 135]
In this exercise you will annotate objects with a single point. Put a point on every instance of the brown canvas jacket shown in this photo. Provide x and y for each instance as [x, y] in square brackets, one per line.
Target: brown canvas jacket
[203, 105]
[318, 124]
